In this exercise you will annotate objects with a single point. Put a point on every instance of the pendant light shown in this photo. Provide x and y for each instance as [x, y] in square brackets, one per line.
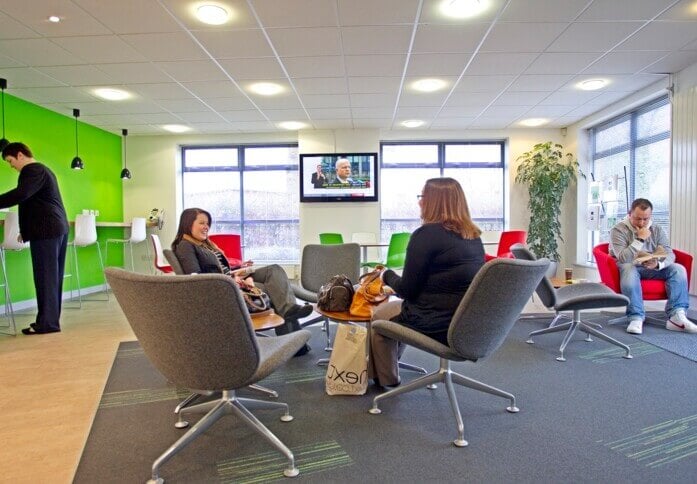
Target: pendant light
[3, 142]
[76, 164]
[125, 173]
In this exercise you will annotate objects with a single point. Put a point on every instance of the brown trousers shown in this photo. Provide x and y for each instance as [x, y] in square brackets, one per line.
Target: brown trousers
[385, 352]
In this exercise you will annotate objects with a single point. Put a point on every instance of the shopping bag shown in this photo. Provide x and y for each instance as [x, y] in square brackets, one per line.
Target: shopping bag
[347, 373]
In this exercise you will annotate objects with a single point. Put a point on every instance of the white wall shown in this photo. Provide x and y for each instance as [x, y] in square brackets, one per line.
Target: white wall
[155, 164]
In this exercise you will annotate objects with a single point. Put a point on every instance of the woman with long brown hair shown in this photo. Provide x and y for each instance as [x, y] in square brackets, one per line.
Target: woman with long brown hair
[198, 255]
[443, 256]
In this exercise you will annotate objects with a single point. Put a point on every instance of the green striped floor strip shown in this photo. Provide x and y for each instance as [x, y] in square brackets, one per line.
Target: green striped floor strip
[661, 444]
[129, 353]
[614, 353]
[296, 376]
[269, 466]
[136, 397]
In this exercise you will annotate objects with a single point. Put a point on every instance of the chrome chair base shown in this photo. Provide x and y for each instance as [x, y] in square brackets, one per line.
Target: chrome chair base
[228, 403]
[445, 375]
[571, 326]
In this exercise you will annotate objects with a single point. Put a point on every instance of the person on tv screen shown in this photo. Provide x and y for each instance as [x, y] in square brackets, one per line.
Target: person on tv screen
[318, 179]
[343, 174]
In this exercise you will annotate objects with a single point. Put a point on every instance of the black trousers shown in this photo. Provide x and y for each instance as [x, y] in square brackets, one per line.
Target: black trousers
[48, 264]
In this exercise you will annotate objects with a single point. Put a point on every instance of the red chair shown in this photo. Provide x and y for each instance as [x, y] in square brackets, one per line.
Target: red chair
[651, 289]
[507, 239]
[231, 245]
[159, 259]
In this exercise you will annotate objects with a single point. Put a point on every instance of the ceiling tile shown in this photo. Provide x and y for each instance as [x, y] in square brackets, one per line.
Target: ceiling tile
[375, 65]
[25, 77]
[464, 98]
[237, 103]
[674, 62]
[662, 36]
[452, 123]
[182, 105]
[499, 63]
[375, 40]
[613, 10]
[306, 41]
[418, 112]
[592, 36]
[188, 71]
[277, 115]
[212, 89]
[369, 123]
[370, 12]
[6, 62]
[483, 83]
[492, 122]
[38, 52]
[325, 100]
[426, 65]
[569, 98]
[77, 75]
[504, 111]
[43, 95]
[278, 102]
[380, 100]
[448, 38]
[683, 10]
[522, 37]
[245, 115]
[135, 72]
[239, 14]
[130, 16]
[372, 113]
[544, 10]
[368, 85]
[226, 44]
[165, 46]
[293, 13]
[568, 63]
[12, 29]
[314, 66]
[461, 111]
[520, 98]
[431, 14]
[253, 68]
[422, 98]
[329, 113]
[34, 15]
[333, 123]
[100, 49]
[539, 82]
[171, 90]
[624, 62]
[322, 85]
[548, 111]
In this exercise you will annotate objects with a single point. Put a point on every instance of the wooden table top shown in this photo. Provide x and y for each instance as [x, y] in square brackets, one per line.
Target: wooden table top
[343, 316]
[266, 320]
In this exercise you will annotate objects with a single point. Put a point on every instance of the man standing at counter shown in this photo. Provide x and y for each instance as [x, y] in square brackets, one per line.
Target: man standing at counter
[42, 221]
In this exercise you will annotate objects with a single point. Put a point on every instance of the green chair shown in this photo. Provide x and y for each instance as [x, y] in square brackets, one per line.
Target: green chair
[396, 252]
[330, 239]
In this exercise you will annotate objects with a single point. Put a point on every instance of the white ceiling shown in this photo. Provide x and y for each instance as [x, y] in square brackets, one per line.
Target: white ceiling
[343, 63]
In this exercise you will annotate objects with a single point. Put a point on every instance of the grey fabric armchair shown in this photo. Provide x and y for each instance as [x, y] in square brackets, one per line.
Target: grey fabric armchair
[479, 326]
[575, 298]
[173, 261]
[197, 332]
[319, 264]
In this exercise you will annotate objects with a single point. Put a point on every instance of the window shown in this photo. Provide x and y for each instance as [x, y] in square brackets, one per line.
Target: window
[631, 159]
[250, 190]
[478, 166]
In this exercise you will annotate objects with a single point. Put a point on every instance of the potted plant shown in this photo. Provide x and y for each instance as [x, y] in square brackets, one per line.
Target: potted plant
[547, 176]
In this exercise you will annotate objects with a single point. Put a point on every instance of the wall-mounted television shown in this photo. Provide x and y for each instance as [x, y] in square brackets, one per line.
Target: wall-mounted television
[339, 177]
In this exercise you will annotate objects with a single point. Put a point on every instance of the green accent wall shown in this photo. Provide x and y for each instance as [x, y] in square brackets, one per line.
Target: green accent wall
[51, 137]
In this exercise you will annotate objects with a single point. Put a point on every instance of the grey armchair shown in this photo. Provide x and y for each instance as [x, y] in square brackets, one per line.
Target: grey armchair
[319, 263]
[575, 298]
[479, 326]
[173, 261]
[196, 330]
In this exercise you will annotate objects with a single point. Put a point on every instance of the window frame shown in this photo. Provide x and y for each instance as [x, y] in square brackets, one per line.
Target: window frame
[442, 164]
[240, 168]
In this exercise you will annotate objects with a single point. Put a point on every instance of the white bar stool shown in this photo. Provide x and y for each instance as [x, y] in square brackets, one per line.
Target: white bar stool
[86, 235]
[9, 242]
[138, 235]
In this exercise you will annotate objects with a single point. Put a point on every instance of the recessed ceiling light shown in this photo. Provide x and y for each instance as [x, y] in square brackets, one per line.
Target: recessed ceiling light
[54, 19]
[592, 84]
[463, 8]
[111, 94]
[212, 14]
[176, 128]
[533, 122]
[292, 125]
[266, 88]
[428, 85]
[412, 123]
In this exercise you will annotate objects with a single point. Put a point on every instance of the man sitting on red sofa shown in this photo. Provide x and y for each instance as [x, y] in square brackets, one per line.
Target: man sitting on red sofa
[636, 234]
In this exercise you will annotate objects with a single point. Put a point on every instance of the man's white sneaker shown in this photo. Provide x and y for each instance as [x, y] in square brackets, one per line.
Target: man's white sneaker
[679, 322]
[635, 326]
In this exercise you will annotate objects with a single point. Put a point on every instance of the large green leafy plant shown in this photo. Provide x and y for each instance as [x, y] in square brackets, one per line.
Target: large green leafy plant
[547, 172]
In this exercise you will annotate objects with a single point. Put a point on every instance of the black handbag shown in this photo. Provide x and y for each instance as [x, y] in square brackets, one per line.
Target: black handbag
[336, 295]
[257, 300]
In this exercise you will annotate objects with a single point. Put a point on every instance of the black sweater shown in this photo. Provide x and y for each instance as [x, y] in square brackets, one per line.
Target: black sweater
[438, 269]
[41, 212]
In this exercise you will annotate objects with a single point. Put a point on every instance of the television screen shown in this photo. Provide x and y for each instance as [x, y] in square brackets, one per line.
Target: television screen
[339, 177]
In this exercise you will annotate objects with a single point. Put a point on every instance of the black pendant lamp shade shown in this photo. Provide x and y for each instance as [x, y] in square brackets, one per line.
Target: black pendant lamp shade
[3, 142]
[125, 173]
[76, 164]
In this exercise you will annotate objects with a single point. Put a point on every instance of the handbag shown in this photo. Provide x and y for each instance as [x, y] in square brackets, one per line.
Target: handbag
[256, 300]
[347, 372]
[336, 295]
[370, 292]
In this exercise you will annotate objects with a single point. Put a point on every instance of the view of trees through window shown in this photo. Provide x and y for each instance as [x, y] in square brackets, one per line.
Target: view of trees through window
[631, 159]
[478, 166]
[250, 190]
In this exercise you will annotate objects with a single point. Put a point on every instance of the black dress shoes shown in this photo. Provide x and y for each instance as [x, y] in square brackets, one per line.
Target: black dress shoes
[298, 312]
[32, 329]
[303, 351]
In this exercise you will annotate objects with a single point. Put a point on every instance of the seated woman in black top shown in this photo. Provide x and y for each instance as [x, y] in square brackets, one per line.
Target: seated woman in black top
[443, 256]
[197, 255]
